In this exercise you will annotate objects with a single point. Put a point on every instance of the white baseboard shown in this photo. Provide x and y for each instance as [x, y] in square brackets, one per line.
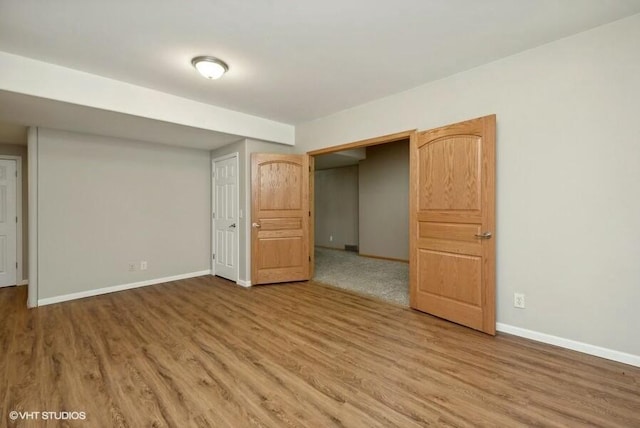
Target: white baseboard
[23, 282]
[609, 354]
[243, 283]
[114, 288]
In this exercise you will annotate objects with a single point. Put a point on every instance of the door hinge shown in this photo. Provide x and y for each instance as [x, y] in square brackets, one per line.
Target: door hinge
[309, 213]
[213, 257]
[309, 258]
[16, 265]
[16, 219]
[213, 215]
[16, 173]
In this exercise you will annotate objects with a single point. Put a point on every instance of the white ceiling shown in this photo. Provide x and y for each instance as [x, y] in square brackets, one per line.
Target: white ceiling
[290, 60]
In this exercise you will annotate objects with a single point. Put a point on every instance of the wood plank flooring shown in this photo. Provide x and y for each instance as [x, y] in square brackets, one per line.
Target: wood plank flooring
[204, 352]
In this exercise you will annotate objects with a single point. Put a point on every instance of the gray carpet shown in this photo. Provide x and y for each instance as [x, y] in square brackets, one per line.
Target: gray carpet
[384, 279]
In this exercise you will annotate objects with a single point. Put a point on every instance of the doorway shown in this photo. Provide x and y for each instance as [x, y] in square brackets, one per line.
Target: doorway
[452, 219]
[362, 220]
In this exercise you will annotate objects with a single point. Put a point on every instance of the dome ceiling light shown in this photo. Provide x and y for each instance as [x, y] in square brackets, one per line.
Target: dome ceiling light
[210, 67]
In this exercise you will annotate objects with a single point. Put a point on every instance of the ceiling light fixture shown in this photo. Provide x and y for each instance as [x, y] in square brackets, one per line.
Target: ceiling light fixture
[210, 67]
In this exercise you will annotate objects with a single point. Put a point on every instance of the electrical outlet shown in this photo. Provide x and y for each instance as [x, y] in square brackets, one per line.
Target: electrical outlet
[143, 265]
[518, 300]
[330, 238]
[132, 267]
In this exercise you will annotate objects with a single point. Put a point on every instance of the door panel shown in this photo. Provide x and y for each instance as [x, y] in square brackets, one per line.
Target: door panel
[450, 173]
[280, 186]
[8, 221]
[452, 266]
[280, 218]
[441, 274]
[226, 219]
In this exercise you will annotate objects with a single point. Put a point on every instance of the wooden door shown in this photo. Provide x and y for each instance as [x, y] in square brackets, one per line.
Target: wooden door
[452, 259]
[312, 218]
[280, 250]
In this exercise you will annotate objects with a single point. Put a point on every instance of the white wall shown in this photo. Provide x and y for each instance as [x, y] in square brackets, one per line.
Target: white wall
[384, 201]
[104, 203]
[568, 175]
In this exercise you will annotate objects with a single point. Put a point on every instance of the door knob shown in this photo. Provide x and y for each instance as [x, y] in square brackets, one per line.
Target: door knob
[233, 225]
[255, 225]
[484, 235]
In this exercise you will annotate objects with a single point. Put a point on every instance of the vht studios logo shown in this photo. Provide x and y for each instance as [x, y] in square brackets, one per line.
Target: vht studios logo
[48, 416]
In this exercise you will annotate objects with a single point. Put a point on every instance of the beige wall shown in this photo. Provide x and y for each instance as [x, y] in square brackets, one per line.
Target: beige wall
[19, 150]
[336, 207]
[568, 229]
[384, 201]
[104, 203]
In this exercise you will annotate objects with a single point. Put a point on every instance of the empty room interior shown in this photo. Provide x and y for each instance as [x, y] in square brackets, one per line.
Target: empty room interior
[361, 205]
[413, 213]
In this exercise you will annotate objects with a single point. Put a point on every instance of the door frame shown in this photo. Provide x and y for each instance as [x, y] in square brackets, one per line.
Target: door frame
[410, 135]
[235, 155]
[19, 274]
[384, 139]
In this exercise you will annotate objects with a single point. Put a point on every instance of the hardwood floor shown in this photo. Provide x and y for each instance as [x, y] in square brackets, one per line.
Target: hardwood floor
[204, 352]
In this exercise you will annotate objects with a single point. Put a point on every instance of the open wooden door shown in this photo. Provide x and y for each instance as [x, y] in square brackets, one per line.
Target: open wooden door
[280, 211]
[312, 218]
[452, 253]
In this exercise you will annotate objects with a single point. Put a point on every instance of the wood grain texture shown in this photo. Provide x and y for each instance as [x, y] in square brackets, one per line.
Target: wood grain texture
[452, 271]
[450, 173]
[280, 250]
[204, 352]
[312, 219]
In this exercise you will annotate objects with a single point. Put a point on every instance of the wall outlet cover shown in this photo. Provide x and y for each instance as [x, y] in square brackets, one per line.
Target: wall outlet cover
[518, 300]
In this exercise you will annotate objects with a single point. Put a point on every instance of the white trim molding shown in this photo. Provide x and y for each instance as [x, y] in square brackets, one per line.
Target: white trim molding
[32, 225]
[243, 283]
[598, 351]
[114, 288]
